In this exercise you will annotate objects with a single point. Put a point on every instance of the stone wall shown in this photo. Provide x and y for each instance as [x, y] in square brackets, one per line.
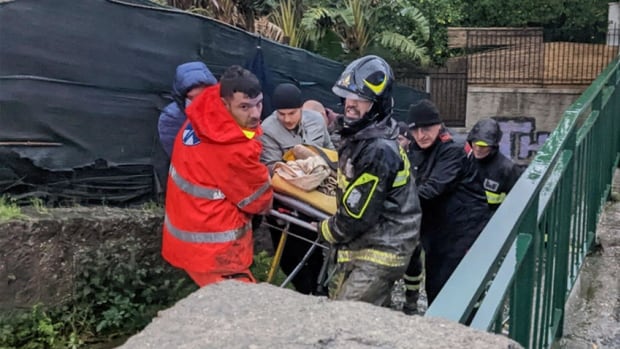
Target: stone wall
[40, 255]
[526, 115]
[232, 314]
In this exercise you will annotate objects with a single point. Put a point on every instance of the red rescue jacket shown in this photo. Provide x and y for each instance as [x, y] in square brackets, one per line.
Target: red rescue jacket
[215, 184]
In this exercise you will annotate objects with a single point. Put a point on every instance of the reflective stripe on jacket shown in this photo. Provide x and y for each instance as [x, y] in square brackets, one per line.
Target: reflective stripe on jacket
[378, 217]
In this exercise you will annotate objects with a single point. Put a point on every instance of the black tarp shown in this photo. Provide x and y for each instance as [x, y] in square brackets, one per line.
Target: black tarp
[82, 84]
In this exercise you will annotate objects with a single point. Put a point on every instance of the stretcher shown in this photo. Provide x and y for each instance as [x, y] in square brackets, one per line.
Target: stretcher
[291, 204]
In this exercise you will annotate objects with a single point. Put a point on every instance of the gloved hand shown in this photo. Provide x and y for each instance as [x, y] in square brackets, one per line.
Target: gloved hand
[322, 231]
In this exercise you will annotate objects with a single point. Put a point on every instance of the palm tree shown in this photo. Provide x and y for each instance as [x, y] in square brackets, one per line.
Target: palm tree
[287, 16]
[362, 24]
[239, 13]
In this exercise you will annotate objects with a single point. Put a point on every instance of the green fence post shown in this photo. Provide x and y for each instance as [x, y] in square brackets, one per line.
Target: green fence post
[523, 289]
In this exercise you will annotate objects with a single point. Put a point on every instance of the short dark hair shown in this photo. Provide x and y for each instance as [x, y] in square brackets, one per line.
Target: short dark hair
[238, 79]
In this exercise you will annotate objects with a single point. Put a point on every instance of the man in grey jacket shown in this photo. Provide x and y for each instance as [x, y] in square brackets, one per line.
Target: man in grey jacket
[286, 127]
[290, 125]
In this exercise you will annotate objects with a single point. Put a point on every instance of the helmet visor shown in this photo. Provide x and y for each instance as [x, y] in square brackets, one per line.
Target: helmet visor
[347, 94]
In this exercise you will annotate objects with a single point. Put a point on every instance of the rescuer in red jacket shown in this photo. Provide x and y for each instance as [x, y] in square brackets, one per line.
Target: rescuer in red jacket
[216, 182]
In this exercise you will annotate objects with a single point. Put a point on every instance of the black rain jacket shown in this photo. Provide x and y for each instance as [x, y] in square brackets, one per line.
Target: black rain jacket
[452, 215]
[378, 206]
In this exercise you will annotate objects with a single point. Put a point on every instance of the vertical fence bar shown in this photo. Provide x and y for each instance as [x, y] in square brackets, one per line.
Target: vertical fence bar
[546, 266]
[523, 288]
[562, 285]
[538, 320]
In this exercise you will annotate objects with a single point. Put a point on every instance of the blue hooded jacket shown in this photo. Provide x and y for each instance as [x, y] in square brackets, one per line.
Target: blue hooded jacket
[188, 76]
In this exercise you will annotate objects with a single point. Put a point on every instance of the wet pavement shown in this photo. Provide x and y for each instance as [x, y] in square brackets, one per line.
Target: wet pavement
[593, 310]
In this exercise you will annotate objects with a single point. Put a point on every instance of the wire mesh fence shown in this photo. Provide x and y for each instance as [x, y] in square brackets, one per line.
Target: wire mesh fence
[534, 56]
[520, 57]
[448, 91]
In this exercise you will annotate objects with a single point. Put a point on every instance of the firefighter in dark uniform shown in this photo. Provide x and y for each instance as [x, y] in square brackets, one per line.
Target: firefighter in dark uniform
[376, 226]
[451, 214]
[495, 173]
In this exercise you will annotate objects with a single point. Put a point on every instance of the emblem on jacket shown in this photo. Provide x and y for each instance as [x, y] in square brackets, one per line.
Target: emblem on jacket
[491, 185]
[189, 136]
[353, 200]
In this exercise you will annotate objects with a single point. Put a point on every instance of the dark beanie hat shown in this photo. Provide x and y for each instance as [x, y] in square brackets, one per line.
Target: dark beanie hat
[286, 96]
[423, 113]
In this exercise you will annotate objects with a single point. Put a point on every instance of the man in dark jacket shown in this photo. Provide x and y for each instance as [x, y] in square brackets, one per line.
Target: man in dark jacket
[190, 80]
[495, 173]
[376, 226]
[451, 215]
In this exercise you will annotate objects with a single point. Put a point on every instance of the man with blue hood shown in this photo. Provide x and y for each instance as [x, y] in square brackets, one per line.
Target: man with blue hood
[190, 80]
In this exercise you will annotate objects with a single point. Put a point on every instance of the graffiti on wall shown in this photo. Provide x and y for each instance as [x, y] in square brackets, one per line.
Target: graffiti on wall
[520, 140]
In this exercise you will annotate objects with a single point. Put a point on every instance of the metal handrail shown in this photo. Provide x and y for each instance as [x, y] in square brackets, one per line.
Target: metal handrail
[526, 260]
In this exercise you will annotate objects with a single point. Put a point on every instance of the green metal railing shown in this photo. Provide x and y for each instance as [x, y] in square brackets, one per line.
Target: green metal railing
[517, 276]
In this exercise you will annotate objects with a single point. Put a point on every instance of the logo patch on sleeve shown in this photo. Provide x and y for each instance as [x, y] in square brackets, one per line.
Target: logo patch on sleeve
[491, 185]
[353, 200]
[189, 136]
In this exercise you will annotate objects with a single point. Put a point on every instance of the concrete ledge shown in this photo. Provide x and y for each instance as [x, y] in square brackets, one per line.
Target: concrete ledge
[237, 315]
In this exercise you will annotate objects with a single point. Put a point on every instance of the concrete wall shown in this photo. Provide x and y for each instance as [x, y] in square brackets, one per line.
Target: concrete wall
[526, 115]
[233, 314]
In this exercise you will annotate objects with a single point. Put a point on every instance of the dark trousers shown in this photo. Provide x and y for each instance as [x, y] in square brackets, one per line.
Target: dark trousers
[306, 279]
[413, 275]
[442, 256]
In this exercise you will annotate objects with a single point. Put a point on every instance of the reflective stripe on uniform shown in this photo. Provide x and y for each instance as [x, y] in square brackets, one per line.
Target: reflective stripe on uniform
[342, 180]
[243, 203]
[374, 256]
[207, 236]
[412, 283]
[194, 189]
[408, 278]
[403, 175]
[494, 198]
[412, 287]
[327, 234]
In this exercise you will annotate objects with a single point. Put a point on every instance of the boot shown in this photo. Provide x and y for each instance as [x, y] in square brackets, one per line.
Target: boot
[411, 302]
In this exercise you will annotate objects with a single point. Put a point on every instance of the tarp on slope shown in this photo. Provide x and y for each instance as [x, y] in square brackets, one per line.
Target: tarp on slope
[82, 84]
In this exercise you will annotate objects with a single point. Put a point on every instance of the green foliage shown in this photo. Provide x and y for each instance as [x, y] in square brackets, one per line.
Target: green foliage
[9, 209]
[260, 269]
[151, 206]
[39, 206]
[440, 14]
[366, 26]
[127, 289]
[119, 288]
[572, 20]
[34, 329]
[288, 17]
